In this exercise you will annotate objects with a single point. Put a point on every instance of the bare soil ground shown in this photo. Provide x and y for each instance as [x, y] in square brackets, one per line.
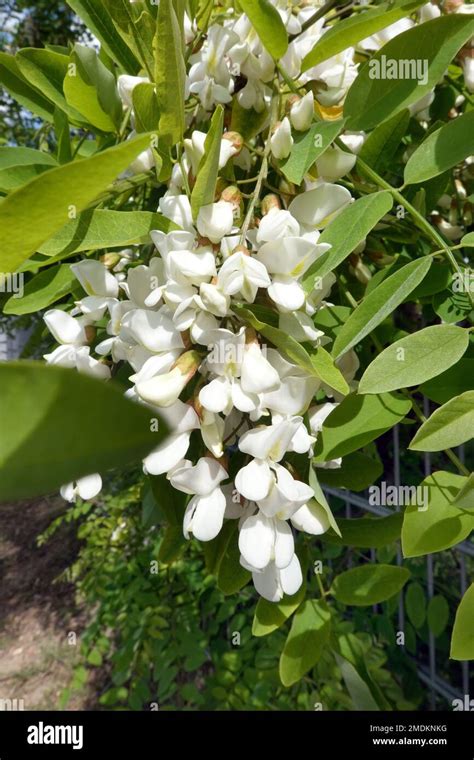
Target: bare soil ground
[37, 614]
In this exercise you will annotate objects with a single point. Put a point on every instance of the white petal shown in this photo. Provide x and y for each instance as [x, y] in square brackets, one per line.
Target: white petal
[208, 515]
[316, 208]
[254, 480]
[168, 454]
[256, 540]
[257, 374]
[89, 486]
[311, 518]
[201, 479]
[215, 396]
[291, 577]
[268, 584]
[287, 293]
[284, 544]
[269, 441]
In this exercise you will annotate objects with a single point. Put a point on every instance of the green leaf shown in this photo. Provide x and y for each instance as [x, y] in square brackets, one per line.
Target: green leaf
[357, 27]
[327, 371]
[97, 19]
[367, 532]
[102, 228]
[357, 472]
[453, 382]
[379, 304]
[346, 231]
[63, 136]
[266, 21]
[145, 107]
[170, 73]
[16, 176]
[321, 501]
[365, 692]
[231, 576]
[136, 28]
[91, 90]
[448, 426]
[358, 689]
[441, 150]
[415, 604]
[306, 641]
[381, 144]
[59, 425]
[32, 214]
[43, 290]
[452, 306]
[415, 359]
[462, 641]
[369, 584]
[436, 525]
[465, 497]
[46, 71]
[371, 99]
[307, 147]
[21, 90]
[468, 240]
[357, 421]
[13, 156]
[438, 614]
[205, 185]
[272, 615]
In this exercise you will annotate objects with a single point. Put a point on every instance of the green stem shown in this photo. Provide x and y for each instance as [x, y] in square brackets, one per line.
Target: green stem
[262, 173]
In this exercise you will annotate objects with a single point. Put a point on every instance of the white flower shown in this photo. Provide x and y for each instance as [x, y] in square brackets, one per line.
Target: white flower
[263, 540]
[278, 223]
[316, 208]
[268, 444]
[154, 330]
[335, 163]
[242, 274]
[205, 512]
[296, 390]
[182, 420]
[301, 113]
[468, 70]
[195, 150]
[273, 584]
[178, 209]
[287, 259]
[86, 488]
[281, 141]
[66, 329]
[163, 390]
[215, 220]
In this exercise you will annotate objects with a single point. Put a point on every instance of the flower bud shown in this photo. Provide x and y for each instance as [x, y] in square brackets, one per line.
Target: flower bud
[232, 194]
[335, 163]
[301, 113]
[281, 141]
[165, 389]
[468, 69]
[236, 140]
[451, 6]
[215, 220]
[269, 202]
[214, 300]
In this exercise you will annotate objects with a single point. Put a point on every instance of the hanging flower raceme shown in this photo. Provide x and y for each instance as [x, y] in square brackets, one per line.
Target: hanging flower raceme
[218, 318]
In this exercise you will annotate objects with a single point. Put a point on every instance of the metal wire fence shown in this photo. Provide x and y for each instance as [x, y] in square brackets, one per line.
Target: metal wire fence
[461, 683]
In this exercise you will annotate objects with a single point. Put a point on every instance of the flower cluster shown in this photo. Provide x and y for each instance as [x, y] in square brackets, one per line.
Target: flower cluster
[178, 320]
